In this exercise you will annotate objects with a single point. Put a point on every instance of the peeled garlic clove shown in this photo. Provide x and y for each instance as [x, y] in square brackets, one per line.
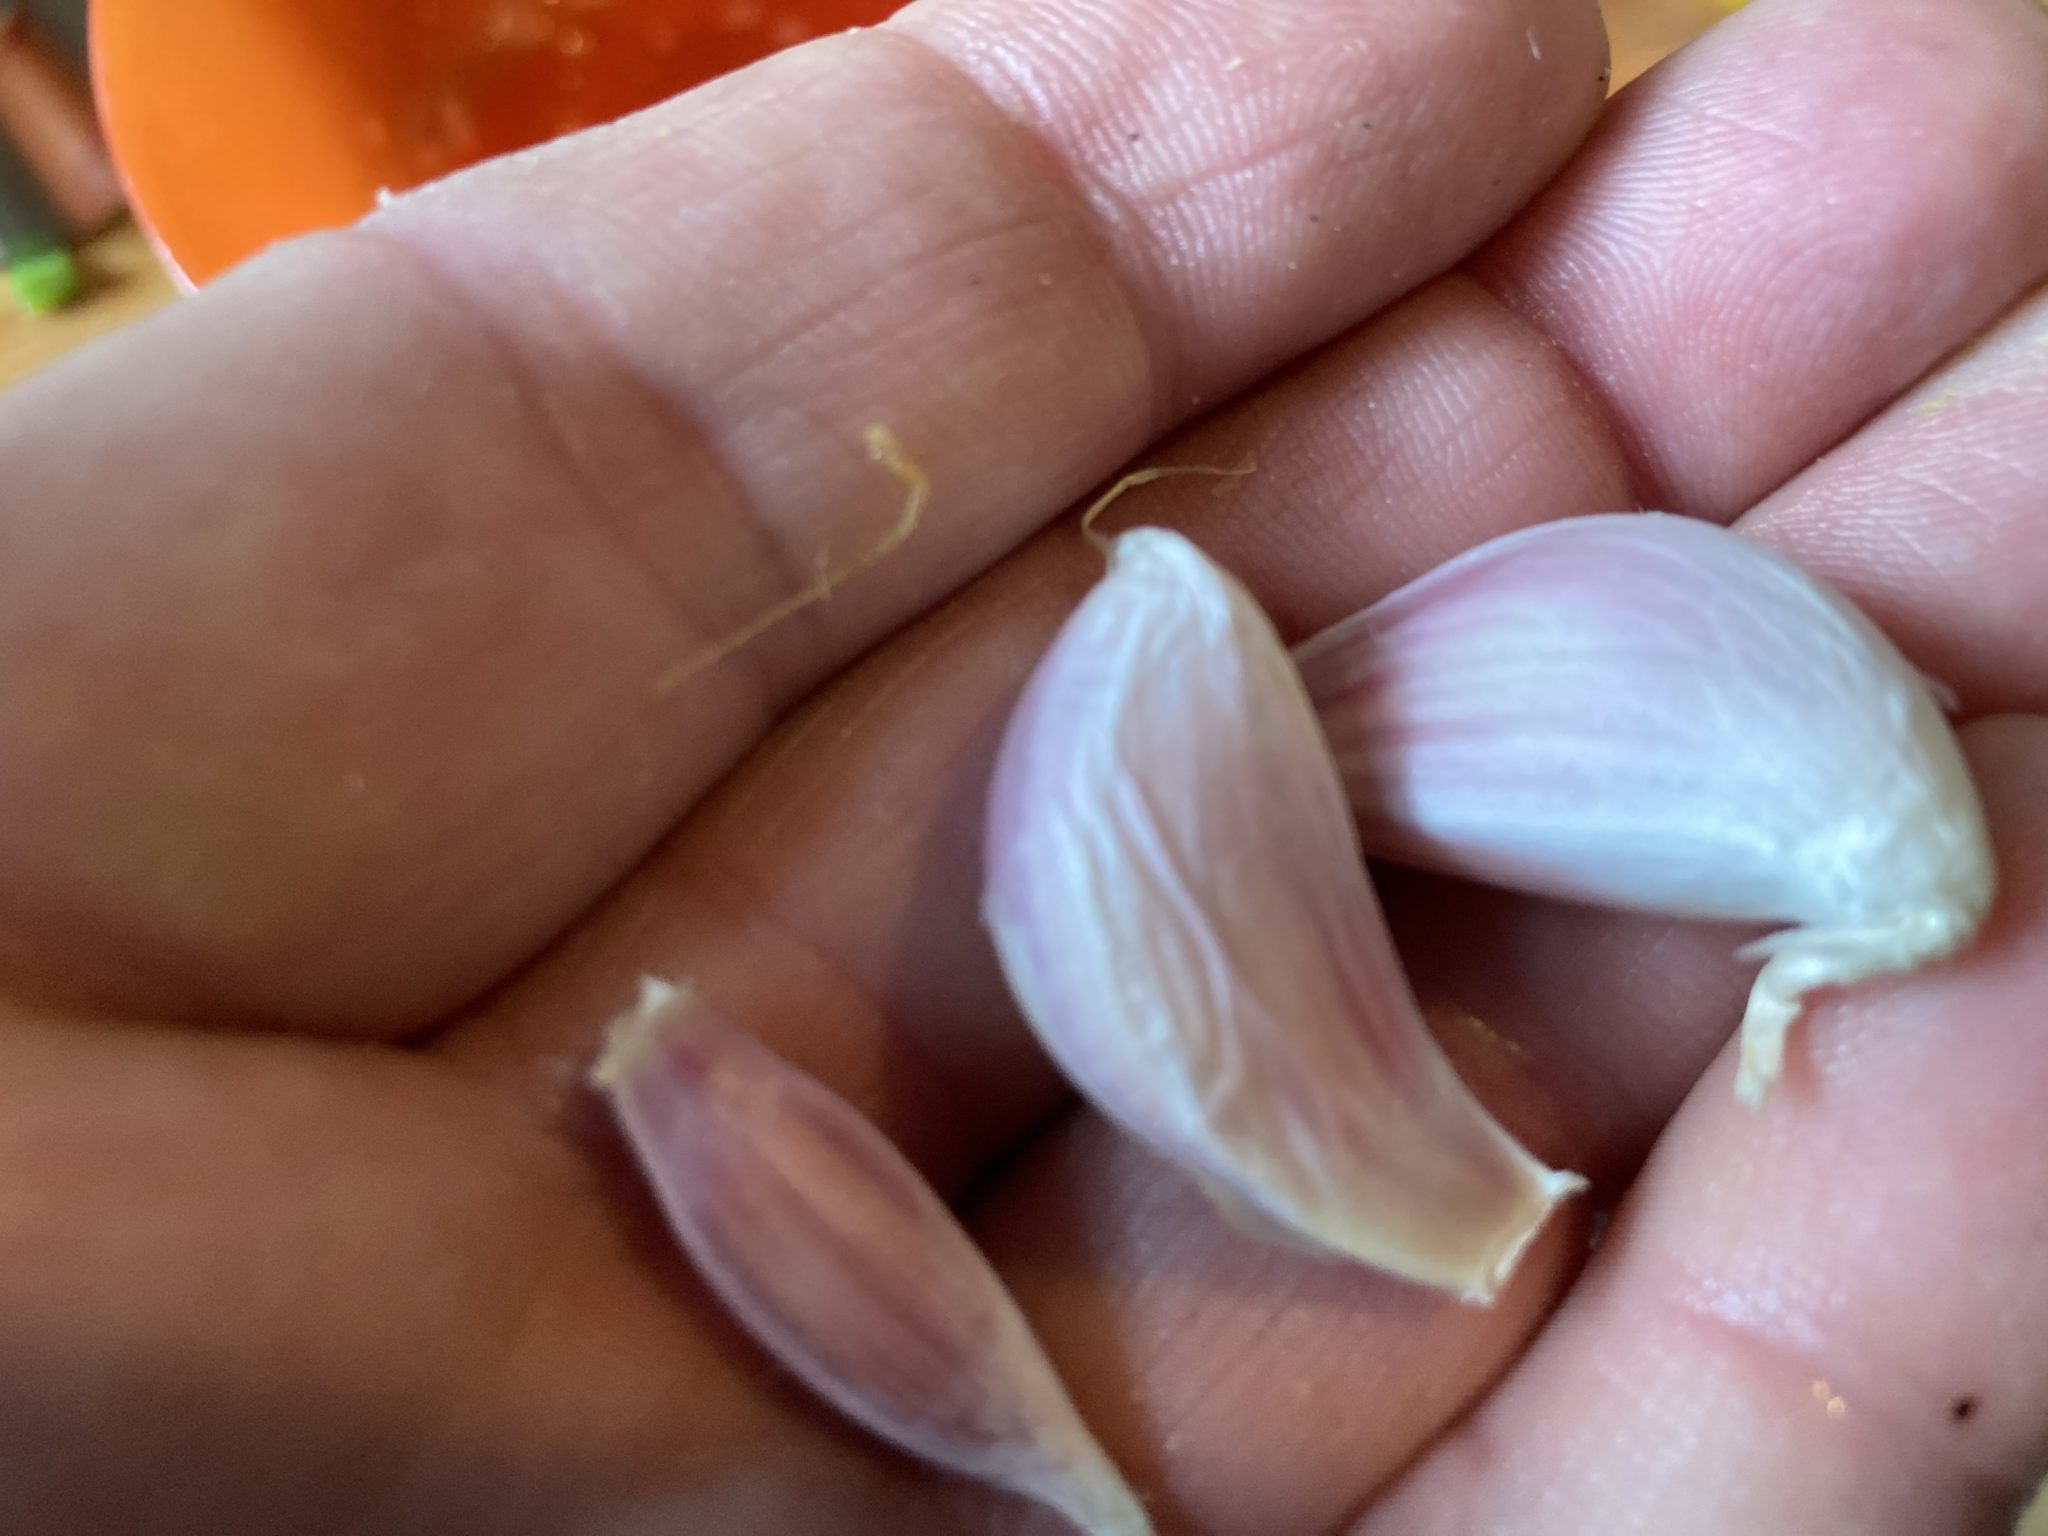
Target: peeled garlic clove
[1652, 712]
[1175, 889]
[842, 1262]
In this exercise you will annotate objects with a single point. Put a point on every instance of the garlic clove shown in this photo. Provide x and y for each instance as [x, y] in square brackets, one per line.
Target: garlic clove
[842, 1262]
[1175, 889]
[1652, 712]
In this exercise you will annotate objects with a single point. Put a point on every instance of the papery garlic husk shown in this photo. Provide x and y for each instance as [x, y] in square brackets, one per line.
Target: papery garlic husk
[844, 1264]
[1176, 892]
[1651, 712]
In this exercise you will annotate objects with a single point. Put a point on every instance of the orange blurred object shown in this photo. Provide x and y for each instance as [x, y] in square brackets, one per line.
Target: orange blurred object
[237, 123]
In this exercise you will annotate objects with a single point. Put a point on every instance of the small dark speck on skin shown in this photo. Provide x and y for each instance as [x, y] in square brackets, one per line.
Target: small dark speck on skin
[1366, 126]
[1315, 218]
[1963, 1409]
[1135, 137]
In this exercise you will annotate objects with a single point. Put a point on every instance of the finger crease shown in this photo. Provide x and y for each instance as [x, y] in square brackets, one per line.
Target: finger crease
[1646, 488]
[589, 479]
[1116, 226]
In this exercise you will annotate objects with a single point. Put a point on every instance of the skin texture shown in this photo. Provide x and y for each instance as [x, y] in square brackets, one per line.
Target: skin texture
[338, 810]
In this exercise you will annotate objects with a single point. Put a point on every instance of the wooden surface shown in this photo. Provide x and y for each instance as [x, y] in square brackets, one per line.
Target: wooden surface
[126, 281]
[1644, 31]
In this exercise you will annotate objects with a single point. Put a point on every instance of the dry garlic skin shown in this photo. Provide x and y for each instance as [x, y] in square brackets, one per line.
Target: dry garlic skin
[1653, 712]
[1176, 892]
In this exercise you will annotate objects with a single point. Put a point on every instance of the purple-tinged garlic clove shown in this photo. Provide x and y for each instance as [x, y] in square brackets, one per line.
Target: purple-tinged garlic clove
[1651, 712]
[841, 1261]
[1176, 892]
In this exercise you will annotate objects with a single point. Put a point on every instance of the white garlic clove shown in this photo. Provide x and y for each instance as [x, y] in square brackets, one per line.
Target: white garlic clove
[842, 1262]
[1176, 892]
[1651, 712]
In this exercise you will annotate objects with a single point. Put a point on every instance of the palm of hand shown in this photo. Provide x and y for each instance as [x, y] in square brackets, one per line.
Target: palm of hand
[313, 751]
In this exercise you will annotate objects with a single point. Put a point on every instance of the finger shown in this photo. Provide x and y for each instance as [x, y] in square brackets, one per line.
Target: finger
[1825, 1317]
[336, 600]
[1748, 261]
[1933, 518]
[277, 1285]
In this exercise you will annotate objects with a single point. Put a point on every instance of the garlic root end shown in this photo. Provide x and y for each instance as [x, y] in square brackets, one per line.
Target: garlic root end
[1095, 1499]
[1803, 961]
[636, 1033]
[1551, 1188]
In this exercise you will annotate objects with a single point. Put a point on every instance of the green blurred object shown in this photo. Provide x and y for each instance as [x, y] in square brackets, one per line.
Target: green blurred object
[33, 251]
[44, 283]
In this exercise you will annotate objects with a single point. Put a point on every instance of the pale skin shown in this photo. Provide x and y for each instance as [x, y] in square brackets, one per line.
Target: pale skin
[339, 807]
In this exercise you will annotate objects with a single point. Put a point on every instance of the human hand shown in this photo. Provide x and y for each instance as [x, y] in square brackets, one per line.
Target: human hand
[339, 808]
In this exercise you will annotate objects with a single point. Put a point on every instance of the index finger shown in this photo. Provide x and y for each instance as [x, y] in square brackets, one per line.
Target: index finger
[331, 605]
